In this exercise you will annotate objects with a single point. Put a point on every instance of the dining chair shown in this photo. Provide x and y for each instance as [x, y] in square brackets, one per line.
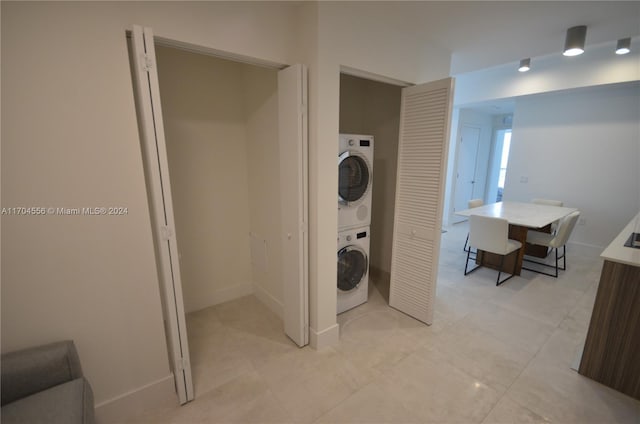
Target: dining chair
[554, 241]
[473, 203]
[489, 234]
[549, 202]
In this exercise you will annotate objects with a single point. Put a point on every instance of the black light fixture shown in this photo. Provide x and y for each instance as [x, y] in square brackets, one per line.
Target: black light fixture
[574, 43]
[525, 65]
[623, 46]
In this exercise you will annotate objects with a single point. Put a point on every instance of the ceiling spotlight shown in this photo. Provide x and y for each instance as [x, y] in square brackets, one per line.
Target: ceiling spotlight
[623, 46]
[525, 65]
[574, 43]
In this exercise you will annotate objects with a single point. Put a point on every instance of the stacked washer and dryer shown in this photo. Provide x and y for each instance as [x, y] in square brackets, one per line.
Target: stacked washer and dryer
[355, 164]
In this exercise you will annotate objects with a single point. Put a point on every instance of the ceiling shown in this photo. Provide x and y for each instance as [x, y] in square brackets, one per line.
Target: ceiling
[483, 34]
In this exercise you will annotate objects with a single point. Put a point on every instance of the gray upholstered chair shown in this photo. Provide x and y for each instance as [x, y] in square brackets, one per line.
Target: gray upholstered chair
[490, 234]
[554, 241]
[45, 384]
[473, 203]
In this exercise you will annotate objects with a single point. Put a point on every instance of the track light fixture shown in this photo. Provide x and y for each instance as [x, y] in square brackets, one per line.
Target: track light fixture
[525, 65]
[623, 46]
[574, 43]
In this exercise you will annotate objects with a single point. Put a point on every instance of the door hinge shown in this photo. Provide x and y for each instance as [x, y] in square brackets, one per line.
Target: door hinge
[304, 227]
[166, 233]
[181, 364]
[147, 62]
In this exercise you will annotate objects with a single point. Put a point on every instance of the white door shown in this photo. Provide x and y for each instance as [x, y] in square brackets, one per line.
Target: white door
[425, 117]
[292, 134]
[466, 170]
[160, 205]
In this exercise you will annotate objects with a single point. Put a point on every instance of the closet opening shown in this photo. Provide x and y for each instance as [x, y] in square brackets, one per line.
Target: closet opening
[401, 132]
[371, 109]
[225, 159]
[221, 129]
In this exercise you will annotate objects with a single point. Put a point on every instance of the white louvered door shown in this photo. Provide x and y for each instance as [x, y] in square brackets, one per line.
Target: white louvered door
[425, 117]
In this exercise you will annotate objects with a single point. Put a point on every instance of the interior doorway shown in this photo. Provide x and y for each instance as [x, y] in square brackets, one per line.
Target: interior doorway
[499, 163]
[466, 187]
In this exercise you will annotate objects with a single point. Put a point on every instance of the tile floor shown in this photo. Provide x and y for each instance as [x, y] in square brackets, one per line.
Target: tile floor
[493, 355]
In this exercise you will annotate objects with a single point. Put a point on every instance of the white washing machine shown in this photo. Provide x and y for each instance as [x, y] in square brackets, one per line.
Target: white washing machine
[353, 268]
[355, 179]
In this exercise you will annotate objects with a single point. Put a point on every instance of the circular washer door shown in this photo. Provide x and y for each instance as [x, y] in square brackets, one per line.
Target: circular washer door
[352, 267]
[353, 177]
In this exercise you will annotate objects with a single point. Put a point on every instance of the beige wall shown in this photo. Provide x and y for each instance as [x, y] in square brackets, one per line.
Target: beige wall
[261, 114]
[70, 139]
[370, 107]
[204, 121]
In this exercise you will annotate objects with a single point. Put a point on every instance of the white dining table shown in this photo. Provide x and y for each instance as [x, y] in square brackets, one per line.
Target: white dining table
[521, 217]
[530, 215]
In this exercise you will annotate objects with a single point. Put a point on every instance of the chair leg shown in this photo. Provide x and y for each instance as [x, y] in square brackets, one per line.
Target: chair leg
[466, 242]
[555, 267]
[466, 264]
[500, 270]
[498, 282]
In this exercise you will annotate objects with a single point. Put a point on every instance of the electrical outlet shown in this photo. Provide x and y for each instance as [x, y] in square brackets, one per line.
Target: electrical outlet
[524, 179]
[582, 221]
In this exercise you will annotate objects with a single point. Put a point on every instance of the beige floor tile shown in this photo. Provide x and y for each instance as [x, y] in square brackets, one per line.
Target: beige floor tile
[436, 391]
[508, 411]
[371, 404]
[493, 355]
[490, 360]
[562, 395]
[512, 328]
[543, 302]
[309, 383]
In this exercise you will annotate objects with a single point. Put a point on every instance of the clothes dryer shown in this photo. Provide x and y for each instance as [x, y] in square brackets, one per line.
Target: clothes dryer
[355, 179]
[353, 268]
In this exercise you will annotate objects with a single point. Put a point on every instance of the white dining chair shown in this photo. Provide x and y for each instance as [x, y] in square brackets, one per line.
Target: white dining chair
[549, 202]
[554, 242]
[473, 203]
[490, 234]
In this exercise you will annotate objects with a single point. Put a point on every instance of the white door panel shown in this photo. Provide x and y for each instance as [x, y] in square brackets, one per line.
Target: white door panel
[422, 160]
[292, 134]
[160, 205]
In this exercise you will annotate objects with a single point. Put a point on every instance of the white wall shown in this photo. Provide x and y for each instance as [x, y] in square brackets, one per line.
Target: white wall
[581, 147]
[206, 135]
[70, 139]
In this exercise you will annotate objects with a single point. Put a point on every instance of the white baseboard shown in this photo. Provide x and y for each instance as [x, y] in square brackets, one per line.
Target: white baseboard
[326, 338]
[151, 396]
[220, 296]
[269, 300]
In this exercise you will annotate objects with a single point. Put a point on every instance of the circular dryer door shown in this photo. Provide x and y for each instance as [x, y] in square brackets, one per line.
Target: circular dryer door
[352, 267]
[353, 177]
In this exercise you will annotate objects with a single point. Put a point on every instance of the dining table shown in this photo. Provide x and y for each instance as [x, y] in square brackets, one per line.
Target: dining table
[522, 217]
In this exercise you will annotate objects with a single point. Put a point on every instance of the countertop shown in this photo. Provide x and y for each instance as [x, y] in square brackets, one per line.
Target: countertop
[618, 252]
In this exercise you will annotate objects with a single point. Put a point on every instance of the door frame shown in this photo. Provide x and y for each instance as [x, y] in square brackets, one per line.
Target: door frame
[453, 218]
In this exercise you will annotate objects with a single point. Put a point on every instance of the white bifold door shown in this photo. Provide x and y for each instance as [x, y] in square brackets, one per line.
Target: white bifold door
[425, 115]
[292, 92]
